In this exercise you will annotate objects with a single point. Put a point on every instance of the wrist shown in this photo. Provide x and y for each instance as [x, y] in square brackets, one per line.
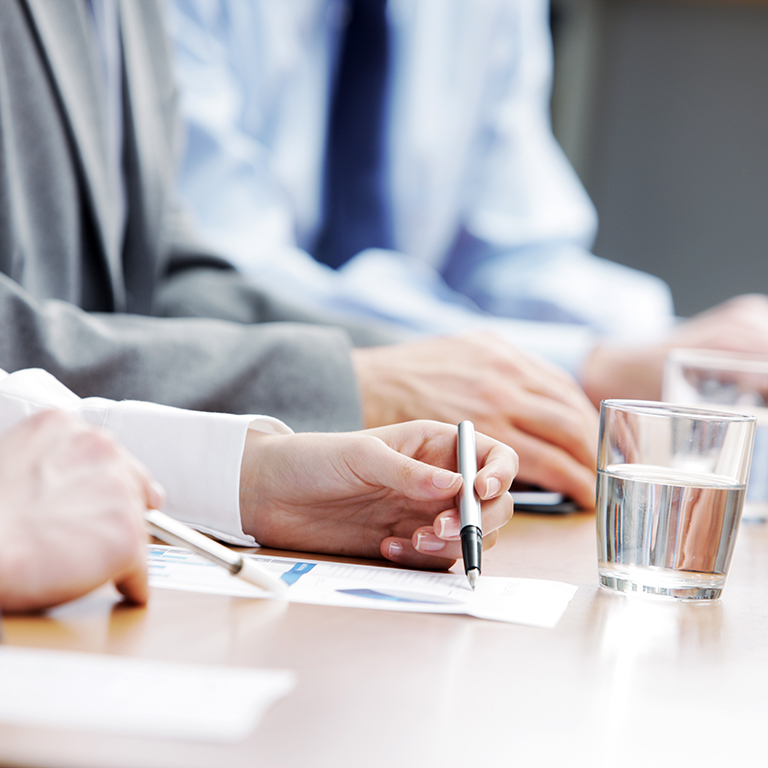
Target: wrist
[365, 376]
[385, 386]
[254, 481]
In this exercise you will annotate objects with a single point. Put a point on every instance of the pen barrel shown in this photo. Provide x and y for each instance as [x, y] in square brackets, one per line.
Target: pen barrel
[468, 503]
[471, 547]
[469, 506]
[174, 532]
[467, 449]
[178, 534]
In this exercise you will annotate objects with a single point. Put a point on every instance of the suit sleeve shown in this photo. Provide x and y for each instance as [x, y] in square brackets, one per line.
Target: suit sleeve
[65, 307]
[301, 374]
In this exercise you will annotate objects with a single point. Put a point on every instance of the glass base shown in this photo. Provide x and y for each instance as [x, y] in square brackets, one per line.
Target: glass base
[665, 582]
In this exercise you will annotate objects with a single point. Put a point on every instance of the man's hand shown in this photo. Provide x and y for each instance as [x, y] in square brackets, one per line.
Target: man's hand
[635, 371]
[387, 492]
[529, 404]
[71, 513]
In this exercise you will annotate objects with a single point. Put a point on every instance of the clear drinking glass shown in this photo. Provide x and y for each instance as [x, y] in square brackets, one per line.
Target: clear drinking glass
[730, 382]
[671, 482]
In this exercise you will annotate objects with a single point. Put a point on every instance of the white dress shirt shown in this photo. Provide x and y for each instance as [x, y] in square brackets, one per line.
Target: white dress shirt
[491, 225]
[195, 456]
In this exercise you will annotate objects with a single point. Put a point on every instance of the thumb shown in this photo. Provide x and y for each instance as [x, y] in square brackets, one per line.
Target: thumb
[410, 477]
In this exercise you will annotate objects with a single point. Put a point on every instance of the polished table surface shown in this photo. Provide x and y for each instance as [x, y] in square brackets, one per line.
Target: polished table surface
[621, 681]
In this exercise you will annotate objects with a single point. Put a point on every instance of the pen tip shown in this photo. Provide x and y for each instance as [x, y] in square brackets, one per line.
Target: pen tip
[472, 576]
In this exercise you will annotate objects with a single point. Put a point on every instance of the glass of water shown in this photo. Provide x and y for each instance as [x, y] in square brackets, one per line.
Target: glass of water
[730, 382]
[671, 483]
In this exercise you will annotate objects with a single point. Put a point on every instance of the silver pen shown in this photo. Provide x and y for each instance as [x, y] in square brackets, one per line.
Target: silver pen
[171, 531]
[469, 504]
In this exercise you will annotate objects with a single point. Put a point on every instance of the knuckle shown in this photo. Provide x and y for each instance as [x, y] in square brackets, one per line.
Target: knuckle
[99, 443]
[53, 419]
[484, 339]
[113, 487]
[121, 486]
[371, 445]
[747, 304]
[368, 449]
[756, 300]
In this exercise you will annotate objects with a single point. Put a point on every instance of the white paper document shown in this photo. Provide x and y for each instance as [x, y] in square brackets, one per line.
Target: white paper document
[92, 692]
[522, 601]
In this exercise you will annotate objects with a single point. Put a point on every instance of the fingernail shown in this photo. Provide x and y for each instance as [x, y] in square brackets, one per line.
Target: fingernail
[428, 542]
[492, 487]
[449, 527]
[395, 549]
[443, 479]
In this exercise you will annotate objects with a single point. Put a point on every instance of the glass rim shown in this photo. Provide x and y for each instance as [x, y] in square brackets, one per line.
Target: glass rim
[713, 359]
[662, 408]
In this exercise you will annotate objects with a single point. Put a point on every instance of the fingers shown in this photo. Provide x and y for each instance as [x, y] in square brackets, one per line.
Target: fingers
[404, 553]
[40, 435]
[79, 445]
[533, 396]
[562, 459]
[558, 425]
[412, 478]
[446, 527]
[439, 545]
[395, 467]
[152, 492]
[79, 497]
[98, 446]
[540, 376]
[506, 393]
[134, 585]
[552, 468]
[614, 370]
[550, 405]
[498, 464]
[378, 464]
[129, 570]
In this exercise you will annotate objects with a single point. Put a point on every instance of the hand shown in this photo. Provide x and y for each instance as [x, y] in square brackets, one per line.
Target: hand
[387, 492]
[71, 504]
[529, 404]
[636, 371]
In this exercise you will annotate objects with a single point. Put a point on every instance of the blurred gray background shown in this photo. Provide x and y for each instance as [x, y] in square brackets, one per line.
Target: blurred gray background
[662, 107]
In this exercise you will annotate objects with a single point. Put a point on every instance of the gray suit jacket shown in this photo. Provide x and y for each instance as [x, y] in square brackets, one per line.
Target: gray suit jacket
[110, 316]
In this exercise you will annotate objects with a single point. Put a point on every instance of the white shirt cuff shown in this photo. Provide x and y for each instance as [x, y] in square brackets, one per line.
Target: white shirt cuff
[195, 456]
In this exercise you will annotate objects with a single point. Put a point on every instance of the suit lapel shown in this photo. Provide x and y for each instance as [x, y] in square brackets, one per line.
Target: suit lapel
[75, 67]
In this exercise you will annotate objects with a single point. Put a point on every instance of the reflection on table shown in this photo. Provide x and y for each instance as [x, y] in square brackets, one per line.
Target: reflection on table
[622, 680]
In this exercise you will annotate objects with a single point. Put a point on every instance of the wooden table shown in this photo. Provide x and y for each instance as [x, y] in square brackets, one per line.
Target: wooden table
[621, 681]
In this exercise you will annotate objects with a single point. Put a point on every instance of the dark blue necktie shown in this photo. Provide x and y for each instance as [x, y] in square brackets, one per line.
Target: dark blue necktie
[355, 196]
